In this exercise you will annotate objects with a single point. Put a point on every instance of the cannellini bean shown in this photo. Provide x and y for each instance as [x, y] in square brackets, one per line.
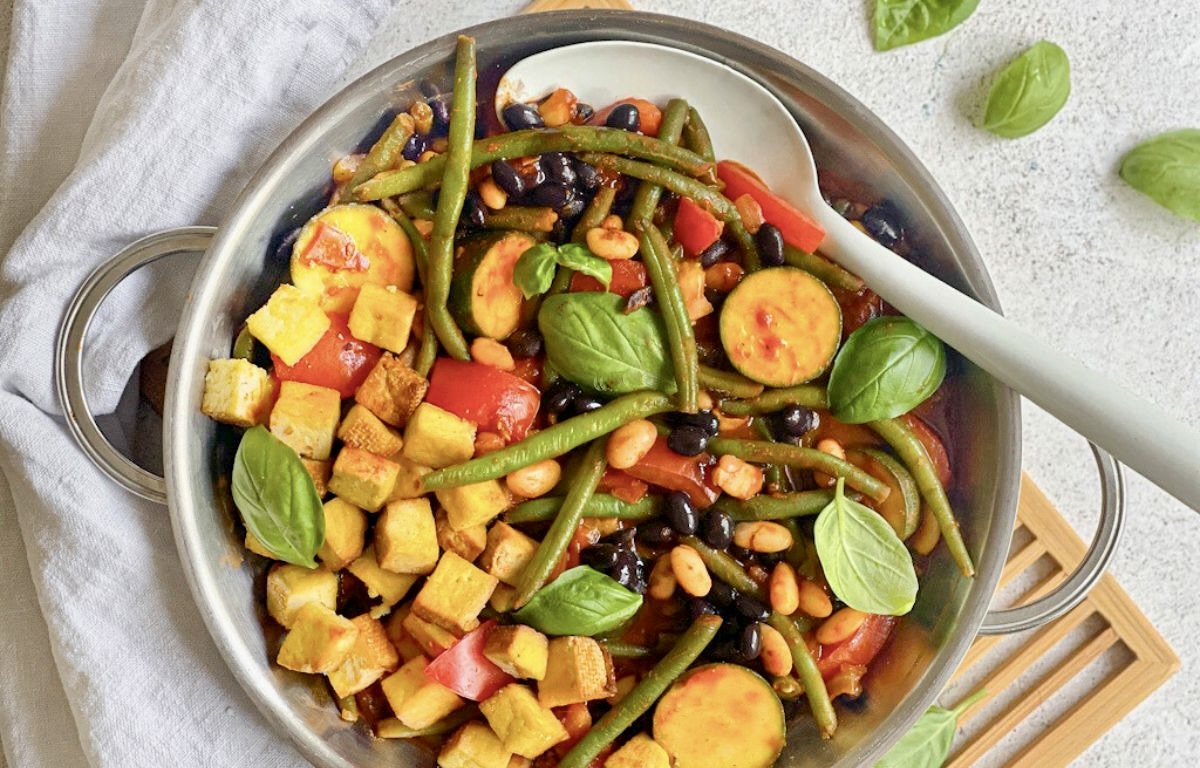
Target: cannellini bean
[491, 194]
[840, 626]
[629, 443]
[612, 221]
[723, 276]
[612, 244]
[689, 570]
[783, 589]
[762, 536]
[750, 211]
[776, 656]
[738, 478]
[493, 353]
[662, 579]
[535, 480]
[833, 448]
[813, 600]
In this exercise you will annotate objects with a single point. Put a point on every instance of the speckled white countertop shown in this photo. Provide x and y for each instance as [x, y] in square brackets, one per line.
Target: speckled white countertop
[1076, 256]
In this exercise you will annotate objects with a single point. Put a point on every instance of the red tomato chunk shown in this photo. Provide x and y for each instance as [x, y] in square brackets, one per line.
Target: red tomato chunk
[495, 400]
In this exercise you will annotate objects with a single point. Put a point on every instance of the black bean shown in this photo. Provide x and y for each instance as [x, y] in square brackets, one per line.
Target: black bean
[717, 529]
[656, 533]
[715, 297]
[584, 405]
[429, 88]
[525, 343]
[551, 195]
[681, 513]
[586, 175]
[559, 169]
[698, 606]
[441, 116]
[750, 608]
[602, 557]
[626, 117]
[518, 116]
[714, 253]
[559, 397]
[630, 572]
[473, 213]
[793, 707]
[572, 208]
[722, 595]
[770, 245]
[750, 643]
[416, 144]
[724, 651]
[703, 420]
[739, 553]
[584, 112]
[883, 221]
[623, 539]
[795, 421]
[642, 297]
[507, 178]
[688, 441]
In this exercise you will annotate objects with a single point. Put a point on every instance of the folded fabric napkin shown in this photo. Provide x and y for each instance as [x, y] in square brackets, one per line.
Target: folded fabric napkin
[111, 665]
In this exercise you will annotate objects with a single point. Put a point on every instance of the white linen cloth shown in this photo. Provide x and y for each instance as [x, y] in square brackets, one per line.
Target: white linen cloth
[119, 118]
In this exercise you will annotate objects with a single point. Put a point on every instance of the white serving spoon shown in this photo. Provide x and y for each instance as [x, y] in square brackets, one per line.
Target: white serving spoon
[749, 124]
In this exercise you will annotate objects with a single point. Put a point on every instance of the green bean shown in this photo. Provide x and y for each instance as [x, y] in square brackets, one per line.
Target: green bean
[583, 484]
[627, 650]
[912, 452]
[537, 141]
[455, 180]
[747, 243]
[761, 452]
[681, 339]
[645, 200]
[773, 472]
[787, 687]
[521, 217]
[807, 395]
[822, 268]
[243, 345]
[427, 354]
[595, 214]
[385, 152]
[695, 136]
[678, 183]
[551, 442]
[810, 676]
[724, 567]
[771, 507]
[418, 205]
[648, 690]
[733, 384]
[599, 505]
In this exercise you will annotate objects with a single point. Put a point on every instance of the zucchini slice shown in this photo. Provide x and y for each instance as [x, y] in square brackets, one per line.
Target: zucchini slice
[483, 298]
[902, 507]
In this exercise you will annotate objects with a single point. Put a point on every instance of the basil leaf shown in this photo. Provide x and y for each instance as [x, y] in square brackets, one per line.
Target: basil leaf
[277, 498]
[1167, 168]
[534, 271]
[886, 368]
[865, 563]
[592, 342]
[581, 601]
[904, 22]
[1029, 92]
[928, 742]
[579, 258]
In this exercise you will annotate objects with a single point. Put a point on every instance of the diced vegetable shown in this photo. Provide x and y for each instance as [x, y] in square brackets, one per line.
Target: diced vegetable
[649, 115]
[667, 469]
[627, 277]
[483, 297]
[464, 668]
[496, 401]
[338, 361]
[695, 227]
[797, 228]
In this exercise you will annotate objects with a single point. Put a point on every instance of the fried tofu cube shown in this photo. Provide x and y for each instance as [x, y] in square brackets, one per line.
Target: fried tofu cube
[392, 390]
[405, 646]
[416, 700]
[253, 544]
[525, 726]
[362, 478]
[454, 594]
[372, 657]
[291, 587]
[504, 599]
[429, 637]
[236, 392]
[319, 472]
[519, 650]
[388, 586]
[383, 316]
[467, 543]
[578, 669]
[406, 538]
[516, 761]
[639, 752]
[507, 553]
[305, 418]
[363, 429]
[474, 746]
[437, 438]
[408, 479]
[474, 504]
[318, 642]
[290, 324]
[345, 531]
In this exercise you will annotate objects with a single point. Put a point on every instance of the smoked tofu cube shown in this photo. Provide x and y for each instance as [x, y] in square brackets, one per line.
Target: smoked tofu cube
[639, 752]
[437, 438]
[388, 586]
[454, 594]
[236, 392]
[578, 669]
[372, 657]
[524, 726]
[467, 543]
[417, 701]
[291, 587]
[408, 478]
[519, 650]
[504, 599]
[475, 504]
[363, 429]
[305, 418]
[474, 746]
[429, 637]
[318, 642]
[392, 390]
[406, 538]
[383, 316]
[290, 324]
[507, 553]
[362, 478]
[319, 472]
[345, 531]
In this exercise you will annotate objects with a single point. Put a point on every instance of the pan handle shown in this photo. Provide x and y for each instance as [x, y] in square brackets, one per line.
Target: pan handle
[1072, 591]
[68, 357]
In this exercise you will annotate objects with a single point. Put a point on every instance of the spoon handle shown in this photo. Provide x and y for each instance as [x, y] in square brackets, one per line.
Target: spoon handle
[1137, 432]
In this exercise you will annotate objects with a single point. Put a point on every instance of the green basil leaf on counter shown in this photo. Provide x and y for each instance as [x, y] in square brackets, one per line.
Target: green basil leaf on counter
[1029, 92]
[581, 601]
[928, 742]
[1167, 168]
[886, 368]
[579, 258]
[534, 270]
[865, 563]
[592, 342]
[904, 22]
[277, 498]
